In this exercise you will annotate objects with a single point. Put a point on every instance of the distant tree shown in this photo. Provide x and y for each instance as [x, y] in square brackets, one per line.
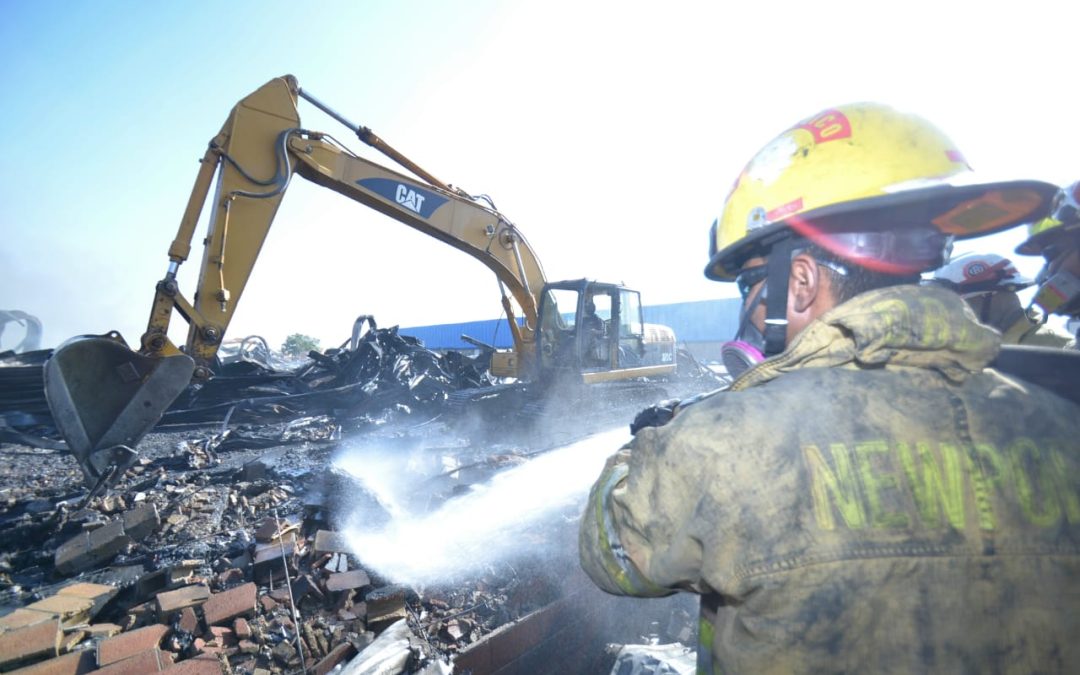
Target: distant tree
[299, 344]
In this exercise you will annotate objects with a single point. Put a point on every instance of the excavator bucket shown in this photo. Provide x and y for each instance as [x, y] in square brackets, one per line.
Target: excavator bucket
[104, 398]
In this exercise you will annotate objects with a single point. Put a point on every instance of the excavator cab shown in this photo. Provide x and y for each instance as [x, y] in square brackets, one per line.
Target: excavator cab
[590, 328]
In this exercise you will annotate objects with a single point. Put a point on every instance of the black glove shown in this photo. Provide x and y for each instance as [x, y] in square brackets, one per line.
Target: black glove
[660, 414]
[655, 415]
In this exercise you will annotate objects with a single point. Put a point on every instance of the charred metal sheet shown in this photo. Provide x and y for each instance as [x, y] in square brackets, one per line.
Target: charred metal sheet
[373, 376]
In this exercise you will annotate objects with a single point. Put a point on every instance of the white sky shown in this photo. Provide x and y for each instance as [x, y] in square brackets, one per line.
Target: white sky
[609, 132]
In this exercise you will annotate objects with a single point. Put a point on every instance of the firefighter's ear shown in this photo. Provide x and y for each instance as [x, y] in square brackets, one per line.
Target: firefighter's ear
[804, 284]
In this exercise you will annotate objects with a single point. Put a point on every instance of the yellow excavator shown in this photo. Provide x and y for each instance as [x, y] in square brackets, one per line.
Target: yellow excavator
[104, 397]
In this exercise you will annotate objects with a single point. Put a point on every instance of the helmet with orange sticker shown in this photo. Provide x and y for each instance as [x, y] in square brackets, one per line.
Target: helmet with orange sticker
[877, 187]
[1064, 218]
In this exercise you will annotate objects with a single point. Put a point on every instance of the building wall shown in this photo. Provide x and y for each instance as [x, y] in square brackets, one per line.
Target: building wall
[700, 326]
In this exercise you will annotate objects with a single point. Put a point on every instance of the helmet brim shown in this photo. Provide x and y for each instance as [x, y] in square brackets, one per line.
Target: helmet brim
[962, 211]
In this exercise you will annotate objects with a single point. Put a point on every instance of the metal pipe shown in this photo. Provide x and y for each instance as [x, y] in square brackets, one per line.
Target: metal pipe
[368, 136]
[512, 238]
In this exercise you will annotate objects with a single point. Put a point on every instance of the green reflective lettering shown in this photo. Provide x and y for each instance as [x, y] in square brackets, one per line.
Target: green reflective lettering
[874, 482]
[841, 485]
[1040, 507]
[988, 471]
[935, 323]
[938, 486]
[1065, 484]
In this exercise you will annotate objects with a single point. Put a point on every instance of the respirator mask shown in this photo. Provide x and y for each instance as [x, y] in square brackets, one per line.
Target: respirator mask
[748, 347]
[751, 345]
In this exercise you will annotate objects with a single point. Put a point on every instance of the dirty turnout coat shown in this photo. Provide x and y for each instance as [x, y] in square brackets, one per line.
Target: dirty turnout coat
[872, 500]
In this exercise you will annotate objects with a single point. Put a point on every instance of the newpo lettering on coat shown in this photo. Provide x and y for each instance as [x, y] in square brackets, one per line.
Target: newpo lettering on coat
[932, 485]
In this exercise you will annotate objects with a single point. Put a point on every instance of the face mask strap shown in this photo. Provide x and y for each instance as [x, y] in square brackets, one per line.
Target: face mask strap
[779, 265]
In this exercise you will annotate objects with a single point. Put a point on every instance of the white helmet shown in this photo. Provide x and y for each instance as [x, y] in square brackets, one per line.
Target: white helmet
[981, 273]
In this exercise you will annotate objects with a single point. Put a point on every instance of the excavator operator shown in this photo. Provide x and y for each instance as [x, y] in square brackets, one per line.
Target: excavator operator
[989, 282]
[593, 327]
[870, 497]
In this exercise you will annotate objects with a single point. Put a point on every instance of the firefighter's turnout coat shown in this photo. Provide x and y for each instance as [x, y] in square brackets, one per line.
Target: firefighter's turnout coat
[873, 499]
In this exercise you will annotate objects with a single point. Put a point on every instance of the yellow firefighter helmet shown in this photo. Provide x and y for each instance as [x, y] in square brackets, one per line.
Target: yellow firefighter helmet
[865, 168]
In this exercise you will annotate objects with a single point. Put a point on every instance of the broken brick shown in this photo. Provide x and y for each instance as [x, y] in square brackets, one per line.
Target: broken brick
[223, 637]
[272, 530]
[337, 655]
[188, 596]
[70, 638]
[230, 604]
[148, 661]
[189, 623]
[281, 595]
[248, 647]
[183, 572]
[267, 603]
[271, 558]
[99, 594]
[28, 642]
[76, 663]
[327, 541]
[89, 549]
[283, 653]
[141, 521]
[131, 643]
[70, 609]
[347, 580]
[242, 628]
[139, 615]
[203, 664]
[385, 604]
[266, 531]
[23, 617]
[102, 630]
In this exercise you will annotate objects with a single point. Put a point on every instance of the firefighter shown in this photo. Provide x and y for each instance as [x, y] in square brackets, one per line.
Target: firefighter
[870, 497]
[1057, 239]
[989, 283]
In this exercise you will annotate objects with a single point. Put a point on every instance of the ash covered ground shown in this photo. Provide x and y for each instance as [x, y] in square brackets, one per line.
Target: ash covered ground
[285, 548]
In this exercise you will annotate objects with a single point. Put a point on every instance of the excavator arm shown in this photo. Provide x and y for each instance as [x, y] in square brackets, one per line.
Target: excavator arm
[104, 397]
[259, 149]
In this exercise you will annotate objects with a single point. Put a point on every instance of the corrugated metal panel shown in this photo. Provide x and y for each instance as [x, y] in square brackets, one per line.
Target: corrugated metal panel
[701, 321]
[448, 335]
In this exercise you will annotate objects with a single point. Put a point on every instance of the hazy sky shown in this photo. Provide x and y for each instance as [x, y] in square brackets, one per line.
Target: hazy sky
[609, 132]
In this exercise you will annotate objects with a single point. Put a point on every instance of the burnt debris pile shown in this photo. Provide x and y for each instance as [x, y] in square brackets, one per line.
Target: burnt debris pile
[375, 376]
[228, 546]
[218, 552]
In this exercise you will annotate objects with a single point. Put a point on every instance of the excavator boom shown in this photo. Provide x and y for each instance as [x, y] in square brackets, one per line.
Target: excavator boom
[104, 397]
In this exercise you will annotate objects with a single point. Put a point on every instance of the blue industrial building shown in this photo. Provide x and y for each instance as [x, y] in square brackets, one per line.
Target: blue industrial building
[700, 326]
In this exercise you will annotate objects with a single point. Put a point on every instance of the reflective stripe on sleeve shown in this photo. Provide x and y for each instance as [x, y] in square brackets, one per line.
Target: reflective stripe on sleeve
[618, 566]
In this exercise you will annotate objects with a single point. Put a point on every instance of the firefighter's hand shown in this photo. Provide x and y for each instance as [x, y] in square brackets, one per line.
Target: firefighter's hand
[655, 416]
